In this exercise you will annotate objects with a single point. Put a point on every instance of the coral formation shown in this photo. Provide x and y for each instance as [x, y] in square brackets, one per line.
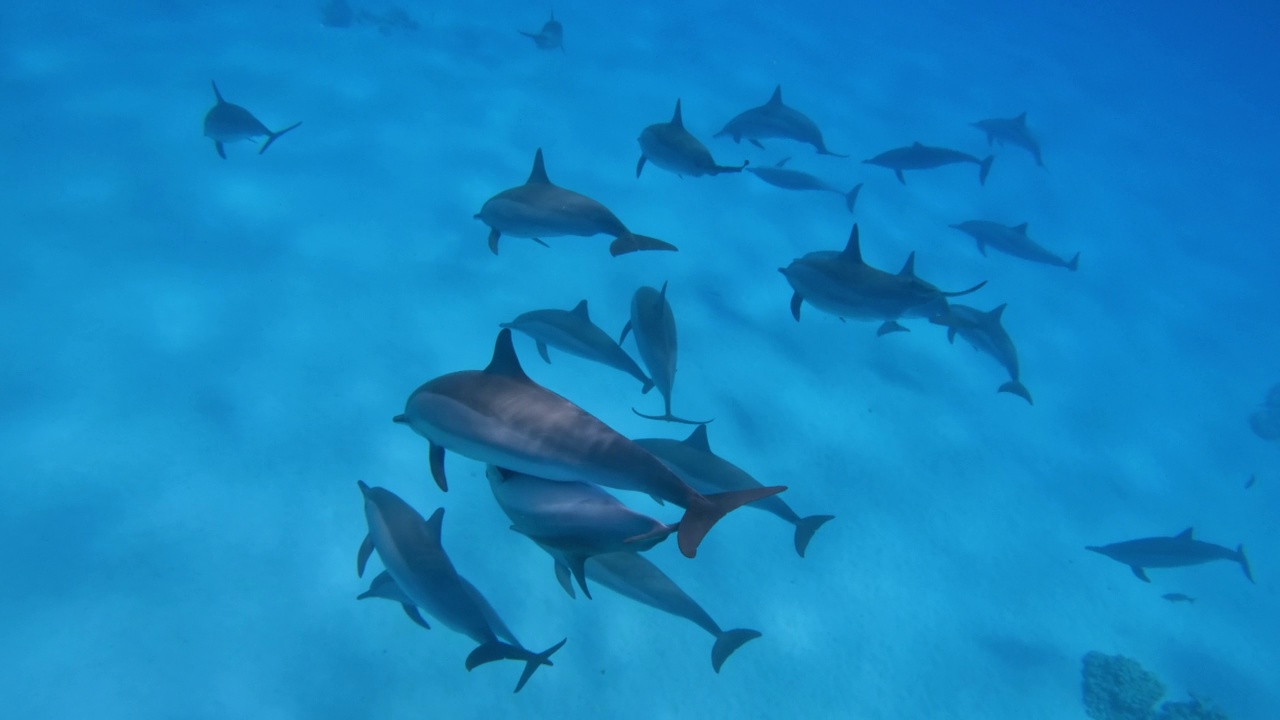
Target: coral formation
[1117, 688]
[1194, 709]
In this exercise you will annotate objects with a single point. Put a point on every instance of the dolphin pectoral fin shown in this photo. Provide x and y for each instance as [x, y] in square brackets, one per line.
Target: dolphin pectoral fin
[806, 528]
[984, 169]
[824, 151]
[494, 236]
[1017, 388]
[577, 565]
[982, 248]
[1074, 263]
[657, 534]
[437, 466]
[671, 418]
[542, 350]
[1140, 573]
[755, 142]
[541, 242]
[362, 557]
[851, 197]
[276, 136]
[1244, 563]
[640, 164]
[951, 335]
[796, 301]
[973, 289]
[718, 169]
[648, 385]
[565, 578]
[632, 242]
[414, 615]
[901, 178]
[727, 642]
[625, 329]
[890, 326]
[705, 511]
[222, 152]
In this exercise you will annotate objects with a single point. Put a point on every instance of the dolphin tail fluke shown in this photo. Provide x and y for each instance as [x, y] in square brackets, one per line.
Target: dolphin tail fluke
[891, 326]
[973, 289]
[496, 650]
[1074, 263]
[727, 642]
[705, 511]
[275, 136]
[1244, 563]
[533, 663]
[851, 197]
[631, 242]
[671, 418]
[805, 529]
[1017, 388]
[984, 169]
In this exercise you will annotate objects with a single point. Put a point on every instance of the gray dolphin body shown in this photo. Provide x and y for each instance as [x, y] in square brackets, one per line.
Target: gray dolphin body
[550, 37]
[1013, 240]
[573, 332]
[384, 586]
[578, 520]
[842, 284]
[985, 333]
[669, 146]
[788, 179]
[539, 209]
[226, 122]
[501, 417]
[924, 157]
[654, 327]
[412, 552]
[1181, 550]
[775, 119]
[695, 463]
[1013, 131]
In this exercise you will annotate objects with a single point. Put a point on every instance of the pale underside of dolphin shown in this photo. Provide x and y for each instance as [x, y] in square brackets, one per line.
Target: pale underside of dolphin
[790, 179]
[653, 325]
[226, 122]
[1181, 550]
[985, 332]
[775, 119]
[1013, 240]
[924, 157]
[1013, 131]
[671, 147]
[573, 332]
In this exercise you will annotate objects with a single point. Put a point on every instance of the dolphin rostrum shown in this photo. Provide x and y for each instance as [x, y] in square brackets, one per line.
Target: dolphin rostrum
[550, 37]
[1181, 550]
[842, 284]
[501, 417]
[789, 179]
[539, 209]
[775, 120]
[654, 328]
[985, 333]
[411, 550]
[669, 146]
[579, 520]
[695, 463]
[924, 157]
[1013, 240]
[573, 332]
[226, 122]
[1013, 131]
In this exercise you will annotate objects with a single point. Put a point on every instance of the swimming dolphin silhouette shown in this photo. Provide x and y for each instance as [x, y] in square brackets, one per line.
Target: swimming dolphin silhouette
[774, 119]
[501, 417]
[654, 326]
[550, 37]
[842, 284]
[226, 123]
[412, 552]
[573, 332]
[788, 179]
[984, 332]
[1181, 550]
[539, 209]
[695, 463]
[924, 157]
[577, 519]
[1013, 240]
[384, 586]
[1013, 131]
[669, 146]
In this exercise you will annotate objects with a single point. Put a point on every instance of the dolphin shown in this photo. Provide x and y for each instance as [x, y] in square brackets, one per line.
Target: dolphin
[842, 284]
[1178, 597]
[501, 417]
[550, 37]
[789, 179]
[924, 157]
[775, 120]
[539, 209]
[1013, 131]
[573, 332]
[654, 326]
[1181, 550]
[577, 519]
[226, 122]
[695, 463]
[1013, 240]
[985, 333]
[411, 550]
[384, 586]
[669, 146]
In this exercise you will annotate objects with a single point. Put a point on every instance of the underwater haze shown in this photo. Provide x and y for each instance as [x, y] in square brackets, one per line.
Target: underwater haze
[202, 356]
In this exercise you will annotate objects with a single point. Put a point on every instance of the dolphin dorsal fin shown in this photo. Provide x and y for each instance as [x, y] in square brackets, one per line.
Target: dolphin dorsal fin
[581, 310]
[916, 144]
[504, 361]
[853, 249]
[1021, 119]
[995, 314]
[782, 162]
[216, 94]
[539, 172]
[435, 524]
[676, 120]
[776, 99]
[698, 439]
[1185, 534]
[909, 268]
[1021, 228]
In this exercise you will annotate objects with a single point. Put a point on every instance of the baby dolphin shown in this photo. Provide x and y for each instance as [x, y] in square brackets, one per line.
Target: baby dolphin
[654, 326]
[707, 472]
[573, 332]
[1181, 550]
[842, 284]
[985, 333]
[775, 120]
[539, 209]
[669, 146]
[1013, 240]
[1013, 131]
[226, 122]
[550, 37]
[501, 417]
[384, 586]
[788, 179]
[579, 520]
[411, 550]
[1178, 597]
[924, 157]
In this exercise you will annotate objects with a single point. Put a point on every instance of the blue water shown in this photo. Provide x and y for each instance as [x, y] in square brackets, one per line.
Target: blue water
[201, 356]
